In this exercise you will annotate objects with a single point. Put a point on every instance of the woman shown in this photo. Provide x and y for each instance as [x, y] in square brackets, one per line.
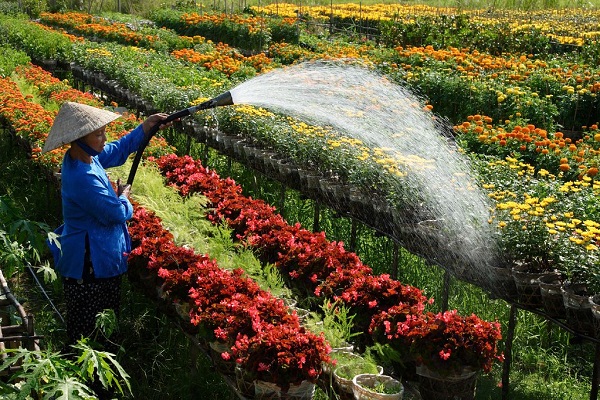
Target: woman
[93, 241]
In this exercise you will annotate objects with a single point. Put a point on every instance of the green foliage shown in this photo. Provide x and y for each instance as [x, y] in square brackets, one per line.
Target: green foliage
[12, 59]
[38, 43]
[337, 324]
[50, 375]
[33, 8]
[103, 365]
[21, 240]
[349, 367]
[185, 219]
[9, 8]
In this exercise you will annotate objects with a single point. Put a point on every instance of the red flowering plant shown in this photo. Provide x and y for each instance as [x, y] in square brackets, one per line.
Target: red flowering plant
[219, 284]
[218, 298]
[156, 253]
[344, 268]
[177, 282]
[254, 217]
[446, 342]
[241, 314]
[145, 224]
[371, 294]
[283, 354]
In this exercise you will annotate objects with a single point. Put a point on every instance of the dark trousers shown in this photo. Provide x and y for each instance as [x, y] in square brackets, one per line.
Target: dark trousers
[85, 299]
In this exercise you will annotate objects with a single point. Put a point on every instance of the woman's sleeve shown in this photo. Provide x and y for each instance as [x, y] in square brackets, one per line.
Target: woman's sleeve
[102, 204]
[116, 152]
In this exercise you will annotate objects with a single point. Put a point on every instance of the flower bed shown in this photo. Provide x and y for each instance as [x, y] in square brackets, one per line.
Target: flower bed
[324, 269]
[228, 307]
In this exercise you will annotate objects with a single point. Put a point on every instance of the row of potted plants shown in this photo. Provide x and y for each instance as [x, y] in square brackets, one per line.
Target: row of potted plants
[480, 127]
[262, 319]
[491, 30]
[500, 86]
[561, 164]
[259, 332]
[480, 136]
[247, 32]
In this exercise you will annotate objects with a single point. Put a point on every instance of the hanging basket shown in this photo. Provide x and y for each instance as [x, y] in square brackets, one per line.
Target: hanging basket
[433, 386]
[364, 385]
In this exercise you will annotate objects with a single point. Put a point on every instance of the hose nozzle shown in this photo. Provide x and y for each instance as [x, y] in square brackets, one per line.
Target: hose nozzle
[223, 99]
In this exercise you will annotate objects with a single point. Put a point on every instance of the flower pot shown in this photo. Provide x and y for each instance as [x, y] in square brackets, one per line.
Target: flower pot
[339, 355]
[502, 284]
[271, 391]
[266, 390]
[435, 386]
[244, 381]
[304, 391]
[595, 308]
[363, 387]
[528, 288]
[343, 384]
[579, 308]
[550, 288]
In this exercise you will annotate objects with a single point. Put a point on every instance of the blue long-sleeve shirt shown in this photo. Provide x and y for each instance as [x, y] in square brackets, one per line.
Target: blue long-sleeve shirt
[92, 208]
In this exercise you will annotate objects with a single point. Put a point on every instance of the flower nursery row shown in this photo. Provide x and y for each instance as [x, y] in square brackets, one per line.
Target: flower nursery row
[551, 155]
[391, 312]
[546, 92]
[492, 30]
[181, 270]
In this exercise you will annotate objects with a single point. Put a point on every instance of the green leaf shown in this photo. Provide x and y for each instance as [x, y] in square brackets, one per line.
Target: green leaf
[47, 271]
[101, 363]
[68, 388]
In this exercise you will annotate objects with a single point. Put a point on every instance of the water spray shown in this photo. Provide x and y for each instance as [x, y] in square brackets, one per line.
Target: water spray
[223, 99]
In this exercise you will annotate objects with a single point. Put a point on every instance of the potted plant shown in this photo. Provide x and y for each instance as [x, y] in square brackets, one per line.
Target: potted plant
[450, 351]
[347, 367]
[376, 387]
[285, 358]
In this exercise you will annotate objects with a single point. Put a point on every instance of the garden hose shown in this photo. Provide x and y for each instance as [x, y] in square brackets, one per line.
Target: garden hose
[37, 281]
[223, 99]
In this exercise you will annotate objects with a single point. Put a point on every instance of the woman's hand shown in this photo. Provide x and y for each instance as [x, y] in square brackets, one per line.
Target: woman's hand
[154, 119]
[123, 189]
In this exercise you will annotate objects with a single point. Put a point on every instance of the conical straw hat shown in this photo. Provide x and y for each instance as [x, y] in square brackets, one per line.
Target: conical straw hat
[74, 121]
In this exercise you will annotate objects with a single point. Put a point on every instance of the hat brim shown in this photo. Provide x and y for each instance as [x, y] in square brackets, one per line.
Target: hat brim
[74, 121]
